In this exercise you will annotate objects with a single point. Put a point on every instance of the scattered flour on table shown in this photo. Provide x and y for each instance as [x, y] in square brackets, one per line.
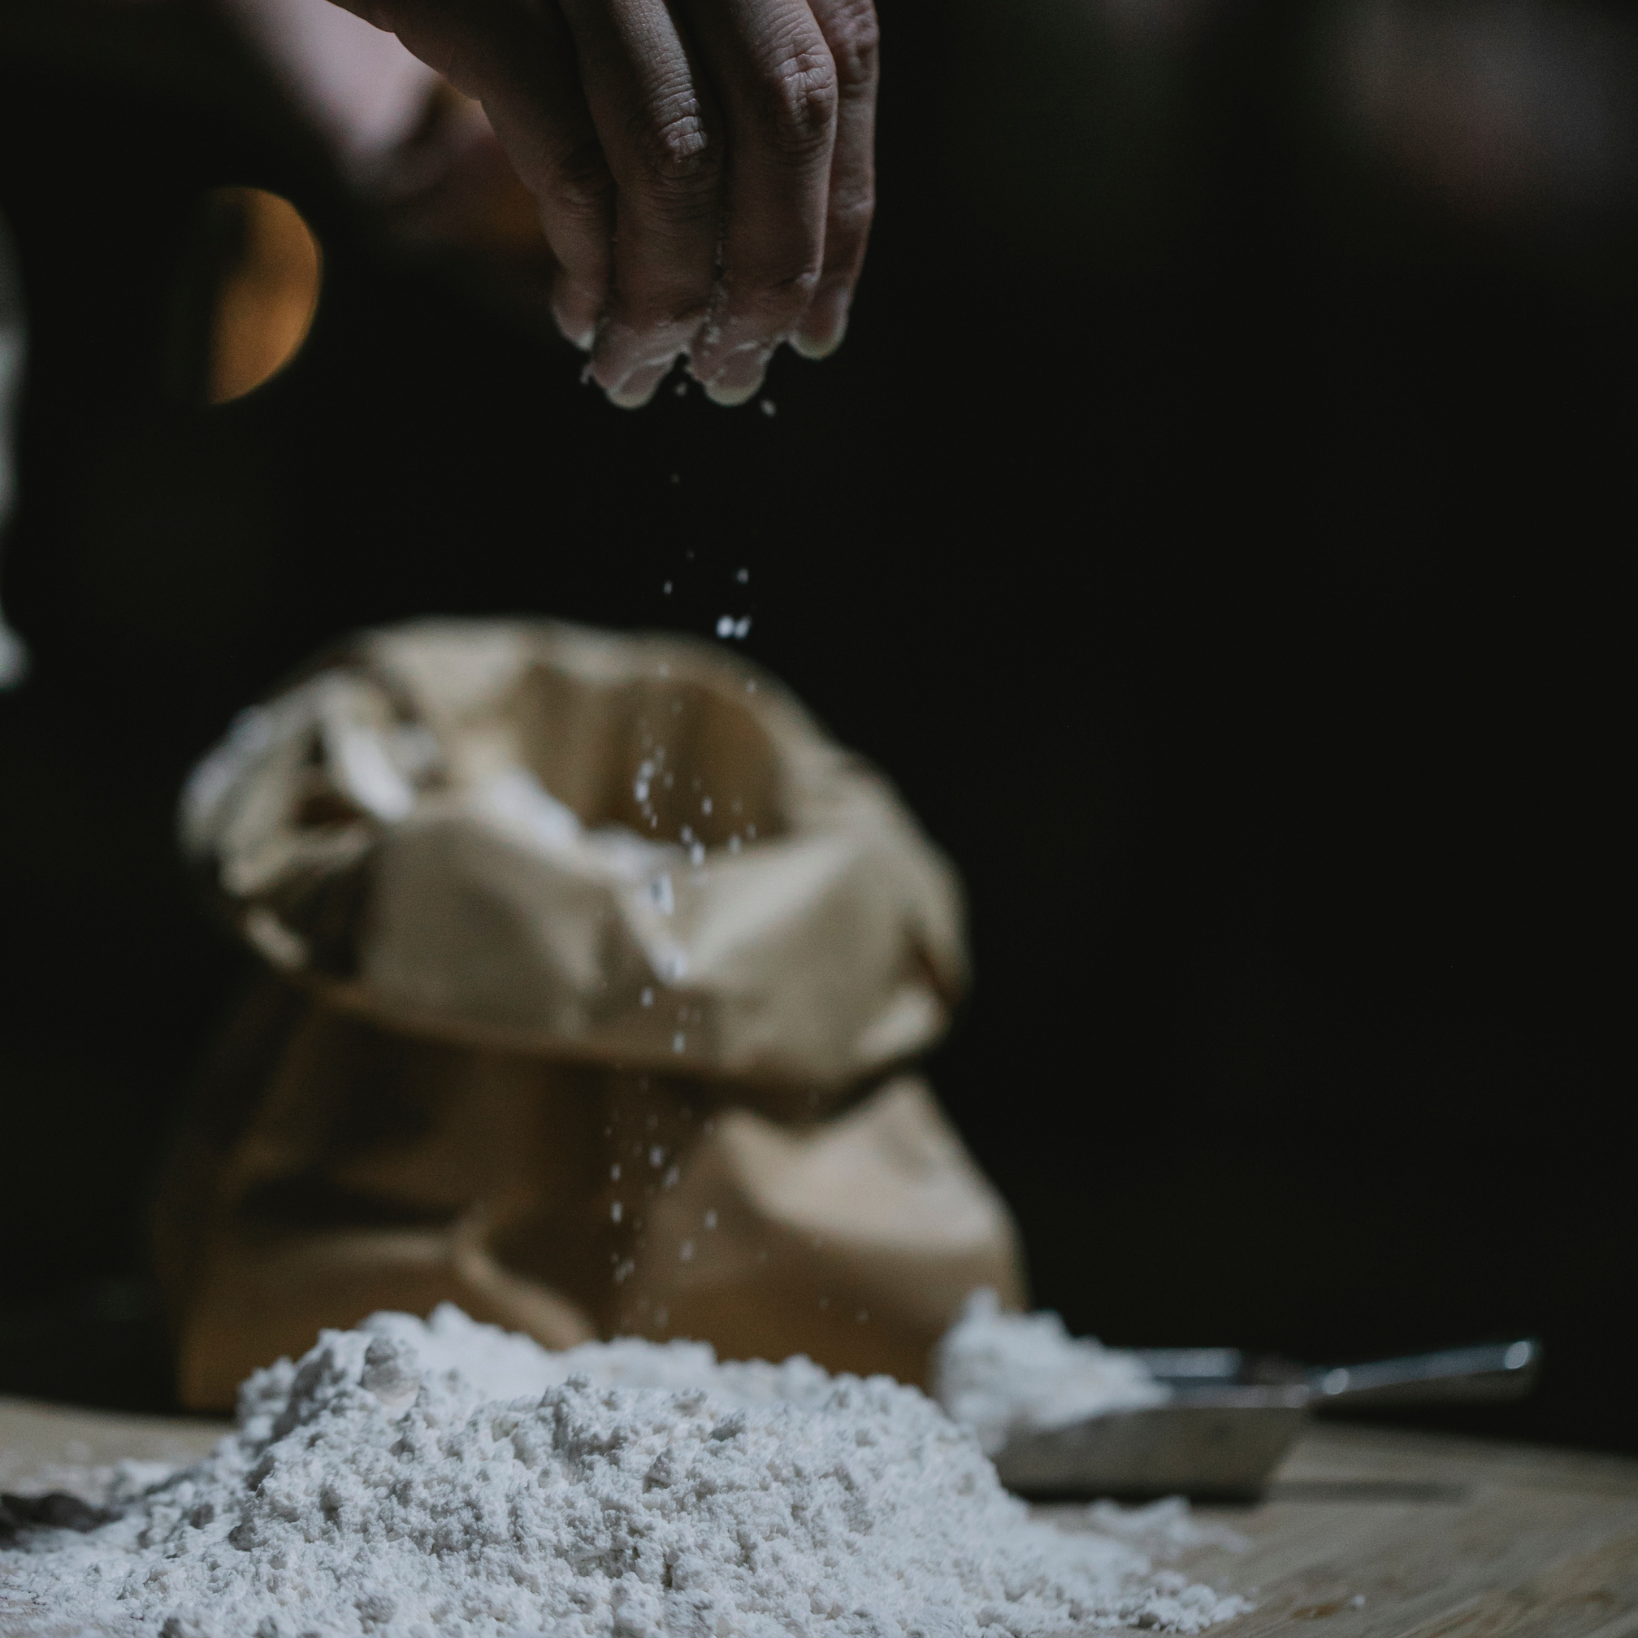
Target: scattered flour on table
[1004, 1373]
[1164, 1528]
[413, 1479]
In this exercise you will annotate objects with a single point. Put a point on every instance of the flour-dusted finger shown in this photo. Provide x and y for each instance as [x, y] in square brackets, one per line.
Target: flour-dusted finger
[663, 139]
[853, 35]
[776, 82]
[518, 58]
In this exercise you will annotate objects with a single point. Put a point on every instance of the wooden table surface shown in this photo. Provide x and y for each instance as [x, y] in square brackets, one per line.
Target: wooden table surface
[1369, 1533]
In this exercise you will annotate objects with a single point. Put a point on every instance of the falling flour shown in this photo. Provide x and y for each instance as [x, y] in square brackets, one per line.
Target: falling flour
[413, 1479]
[1004, 1373]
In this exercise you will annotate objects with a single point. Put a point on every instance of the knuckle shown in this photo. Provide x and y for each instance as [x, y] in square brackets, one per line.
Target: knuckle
[645, 327]
[676, 148]
[854, 37]
[800, 98]
[789, 300]
[759, 303]
[584, 182]
[776, 298]
[852, 208]
[784, 275]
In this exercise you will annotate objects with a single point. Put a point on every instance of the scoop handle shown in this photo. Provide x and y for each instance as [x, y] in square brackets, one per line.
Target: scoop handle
[1488, 1371]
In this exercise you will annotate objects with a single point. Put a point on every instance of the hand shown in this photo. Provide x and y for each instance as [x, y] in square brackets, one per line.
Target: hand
[703, 167]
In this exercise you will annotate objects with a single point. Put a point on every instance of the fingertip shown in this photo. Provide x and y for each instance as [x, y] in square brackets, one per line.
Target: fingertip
[574, 311]
[739, 379]
[816, 347]
[583, 337]
[824, 328]
[637, 387]
[732, 397]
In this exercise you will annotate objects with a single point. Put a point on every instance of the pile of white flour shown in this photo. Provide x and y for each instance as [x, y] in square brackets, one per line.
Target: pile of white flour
[446, 1479]
[1005, 1373]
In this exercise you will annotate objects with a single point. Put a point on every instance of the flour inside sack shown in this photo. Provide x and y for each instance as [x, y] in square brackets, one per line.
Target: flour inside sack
[414, 1479]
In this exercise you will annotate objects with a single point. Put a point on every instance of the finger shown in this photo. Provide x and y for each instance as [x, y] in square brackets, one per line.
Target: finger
[520, 63]
[852, 33]
[773, 72]
[663, 142]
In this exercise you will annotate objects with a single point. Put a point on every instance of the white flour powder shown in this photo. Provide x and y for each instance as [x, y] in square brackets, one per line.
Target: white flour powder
[409, 1479]
[1003, 1373]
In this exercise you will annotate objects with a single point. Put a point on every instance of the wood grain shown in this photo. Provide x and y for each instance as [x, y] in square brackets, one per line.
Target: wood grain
[45, 1442]
[1377, 1534]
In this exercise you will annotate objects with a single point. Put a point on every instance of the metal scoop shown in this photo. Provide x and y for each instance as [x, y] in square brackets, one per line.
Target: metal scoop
[1231, 1420]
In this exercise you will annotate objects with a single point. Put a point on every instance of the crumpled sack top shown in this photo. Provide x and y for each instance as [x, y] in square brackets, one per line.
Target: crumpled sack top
[630, 850]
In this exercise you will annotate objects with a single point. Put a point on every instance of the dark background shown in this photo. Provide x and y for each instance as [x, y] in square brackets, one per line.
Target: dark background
[1220, 537]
